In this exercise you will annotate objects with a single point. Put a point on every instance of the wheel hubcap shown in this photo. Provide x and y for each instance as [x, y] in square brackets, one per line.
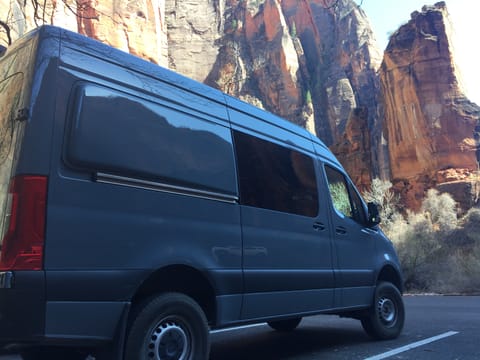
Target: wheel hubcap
[387, 311]
[168, 341]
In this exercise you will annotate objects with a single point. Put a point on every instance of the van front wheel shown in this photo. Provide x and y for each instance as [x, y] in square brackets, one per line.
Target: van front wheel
[169, 326]
[386, 317]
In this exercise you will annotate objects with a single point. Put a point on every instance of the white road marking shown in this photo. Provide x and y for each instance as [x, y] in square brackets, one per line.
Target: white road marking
[236, 328]
[412, 346]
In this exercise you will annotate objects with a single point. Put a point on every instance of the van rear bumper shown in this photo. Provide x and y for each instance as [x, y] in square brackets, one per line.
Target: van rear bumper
[26, 318]
[22, 306]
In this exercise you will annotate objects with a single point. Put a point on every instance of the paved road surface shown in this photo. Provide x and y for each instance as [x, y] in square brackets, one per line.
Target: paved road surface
[436, 328]
[332, 338]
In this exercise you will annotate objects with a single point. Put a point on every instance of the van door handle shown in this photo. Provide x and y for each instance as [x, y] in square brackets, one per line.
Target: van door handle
[340, 230]
[318, 226]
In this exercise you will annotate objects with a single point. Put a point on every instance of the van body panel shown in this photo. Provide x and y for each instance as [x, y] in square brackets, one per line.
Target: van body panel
[284, 258]
[82, 320]
[355, 262]
[228, 309]
[124, 238]
[93, 285]
[35, 154]
[293, 303]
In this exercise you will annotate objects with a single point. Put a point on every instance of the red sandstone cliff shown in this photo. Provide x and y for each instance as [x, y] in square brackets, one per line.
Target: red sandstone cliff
[428, 123]
[404, 119]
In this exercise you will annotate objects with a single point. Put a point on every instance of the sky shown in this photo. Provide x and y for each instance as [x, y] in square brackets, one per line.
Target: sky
[386, 16]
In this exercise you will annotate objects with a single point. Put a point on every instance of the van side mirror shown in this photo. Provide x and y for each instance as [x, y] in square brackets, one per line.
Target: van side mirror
[373, 214]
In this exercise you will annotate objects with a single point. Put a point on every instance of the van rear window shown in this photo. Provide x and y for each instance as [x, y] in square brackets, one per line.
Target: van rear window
[124, 135]
[275, 177]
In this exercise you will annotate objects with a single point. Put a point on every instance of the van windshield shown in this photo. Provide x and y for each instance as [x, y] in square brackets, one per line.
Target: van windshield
[14, 79]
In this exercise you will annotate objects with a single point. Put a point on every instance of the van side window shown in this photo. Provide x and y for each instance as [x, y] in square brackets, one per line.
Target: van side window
[344, 197]
[117, 133]
[275, 177]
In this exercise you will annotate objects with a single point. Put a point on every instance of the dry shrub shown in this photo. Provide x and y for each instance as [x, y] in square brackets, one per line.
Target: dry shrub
[442, 210]
[381, 194]
[460, 273]
[471, 225]
[418, 247]
[438, 252]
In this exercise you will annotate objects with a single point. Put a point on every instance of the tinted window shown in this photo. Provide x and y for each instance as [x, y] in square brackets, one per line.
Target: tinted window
[344, 197]
[121, 134]
[275, 177]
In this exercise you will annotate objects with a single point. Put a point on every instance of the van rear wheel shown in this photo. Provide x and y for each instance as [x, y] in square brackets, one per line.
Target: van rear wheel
[285, 325]
[386, 317]
[169, 326]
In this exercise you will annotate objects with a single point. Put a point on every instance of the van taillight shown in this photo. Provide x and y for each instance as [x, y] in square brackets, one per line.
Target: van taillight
[23, 240]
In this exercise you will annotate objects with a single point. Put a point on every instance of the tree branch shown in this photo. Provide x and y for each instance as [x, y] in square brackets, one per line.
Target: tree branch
[334, 4]
[7, 30]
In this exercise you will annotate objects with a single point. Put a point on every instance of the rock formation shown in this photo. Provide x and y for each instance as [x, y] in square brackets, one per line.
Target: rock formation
[194, 30]
[314, 62]
[428, 123]
[137, 27]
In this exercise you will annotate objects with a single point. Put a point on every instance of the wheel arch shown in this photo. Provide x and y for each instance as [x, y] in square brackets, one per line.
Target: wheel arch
[182, 279]
[389, 274]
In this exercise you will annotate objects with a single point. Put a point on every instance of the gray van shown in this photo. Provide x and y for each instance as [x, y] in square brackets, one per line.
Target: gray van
[141, 209]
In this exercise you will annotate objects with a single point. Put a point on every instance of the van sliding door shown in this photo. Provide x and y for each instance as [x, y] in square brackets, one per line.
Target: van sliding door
[286, 242]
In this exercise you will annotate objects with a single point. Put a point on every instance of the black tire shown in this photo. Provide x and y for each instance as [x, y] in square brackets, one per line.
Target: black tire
[386, 317]
[285, 325]
[52, 353]
[169, 326]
